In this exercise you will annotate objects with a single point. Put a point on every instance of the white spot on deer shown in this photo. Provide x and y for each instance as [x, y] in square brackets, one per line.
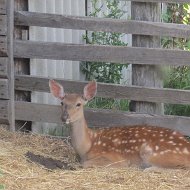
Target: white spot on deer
[161, 135]
[171, 137]
[174, 133]
[154, 135]
[95, 144]
[180, 144]
[136, 135]
[162, 152]
[161, 140]
[143, 140]
[95, 135]
[156, 147]
[136, 148]
[144, 133]
[132, 141]
[99, 142]
[155, 154]
[185, 151]
[170, 142]
[104, 144]
[175, 152]
[161, 131]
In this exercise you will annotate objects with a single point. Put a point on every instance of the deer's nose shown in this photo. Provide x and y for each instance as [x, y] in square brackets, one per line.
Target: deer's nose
[65, 116]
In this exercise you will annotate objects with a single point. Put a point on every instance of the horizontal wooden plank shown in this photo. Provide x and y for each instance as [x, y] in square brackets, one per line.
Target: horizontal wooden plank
[3, 66]
[3, 6]
[4, 111]
[101, 24]
[173, 96]
[4, 92]
[102, 53]
[3, 46]
[3, 24]
[100, 118]
[163, 1]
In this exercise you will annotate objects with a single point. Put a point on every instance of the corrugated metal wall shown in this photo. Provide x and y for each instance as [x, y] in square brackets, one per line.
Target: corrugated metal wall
[62, 69]
[53, 68]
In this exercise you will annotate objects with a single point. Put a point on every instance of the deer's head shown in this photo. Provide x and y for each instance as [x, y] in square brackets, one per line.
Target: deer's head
[72, 104]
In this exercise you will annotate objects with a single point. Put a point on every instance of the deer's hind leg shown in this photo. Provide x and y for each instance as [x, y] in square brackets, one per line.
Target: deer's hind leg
[163, 159]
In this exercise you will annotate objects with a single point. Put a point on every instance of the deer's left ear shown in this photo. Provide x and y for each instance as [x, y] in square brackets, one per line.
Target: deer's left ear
[90, 90]
[56, 89]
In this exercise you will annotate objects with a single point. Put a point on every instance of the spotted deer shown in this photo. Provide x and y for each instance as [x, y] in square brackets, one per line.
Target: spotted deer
[141, 146]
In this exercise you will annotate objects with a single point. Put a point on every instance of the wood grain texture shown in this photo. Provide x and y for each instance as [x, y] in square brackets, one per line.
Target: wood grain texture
[3, 46]
[3, 66]
[4, 89]
[3, 25]
[115, 54]
[163, 1]
[173, 96]
[24, 18]
[4, 111]
[100, 118]
[10, 32]
[3, 6]
[146, 75]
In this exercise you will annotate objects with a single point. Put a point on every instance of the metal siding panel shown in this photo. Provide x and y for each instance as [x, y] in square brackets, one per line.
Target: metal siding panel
[53, 68]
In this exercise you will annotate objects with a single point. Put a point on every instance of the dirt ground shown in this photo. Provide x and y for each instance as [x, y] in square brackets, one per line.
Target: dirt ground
[29, 161]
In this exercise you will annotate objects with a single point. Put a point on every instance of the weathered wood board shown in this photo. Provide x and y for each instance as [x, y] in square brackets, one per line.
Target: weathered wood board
[4, 89]
[4, 111]
[3, 66]
[114, 54]
[100, 118]
[32, 83]
[3, 6]
[24, 18]
[3, 25]
[3, 46]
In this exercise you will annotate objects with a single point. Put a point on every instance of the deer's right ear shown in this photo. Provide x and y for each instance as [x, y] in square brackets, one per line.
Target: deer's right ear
[56, 89]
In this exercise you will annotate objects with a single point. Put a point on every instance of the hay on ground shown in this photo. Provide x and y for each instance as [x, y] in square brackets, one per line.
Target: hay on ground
[17, 172]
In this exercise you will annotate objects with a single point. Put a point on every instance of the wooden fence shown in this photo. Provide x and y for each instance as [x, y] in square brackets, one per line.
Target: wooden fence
[10, 48]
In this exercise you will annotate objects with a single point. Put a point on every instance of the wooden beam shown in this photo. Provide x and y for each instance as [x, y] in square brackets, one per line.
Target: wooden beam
[100, 118]
[3, 25]
[24, 18]
[172, 96]
[160, 1]
[4, 92]
[3, 6]
[102, 53]
[3, 66]
[3, 46]
[147, 75]
[10, 30]
[4, 104]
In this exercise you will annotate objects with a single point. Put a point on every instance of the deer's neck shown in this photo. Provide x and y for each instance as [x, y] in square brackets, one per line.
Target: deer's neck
[80, 137]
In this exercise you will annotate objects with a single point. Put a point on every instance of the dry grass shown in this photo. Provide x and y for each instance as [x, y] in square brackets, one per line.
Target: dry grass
[16, 172]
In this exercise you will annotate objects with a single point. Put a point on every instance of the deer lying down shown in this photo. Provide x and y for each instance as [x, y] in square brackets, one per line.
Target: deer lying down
[141, 146]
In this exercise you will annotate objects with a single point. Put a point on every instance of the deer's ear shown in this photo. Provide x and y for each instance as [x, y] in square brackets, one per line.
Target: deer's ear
[90, 90]
[56, 89]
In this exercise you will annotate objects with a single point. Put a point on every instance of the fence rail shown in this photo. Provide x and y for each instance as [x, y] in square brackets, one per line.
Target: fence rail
[102, 24]
[101, 53]
[172, 96]
[100, 118]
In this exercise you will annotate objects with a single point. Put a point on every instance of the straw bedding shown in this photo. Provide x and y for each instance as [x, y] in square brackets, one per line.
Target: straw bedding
[17, 171]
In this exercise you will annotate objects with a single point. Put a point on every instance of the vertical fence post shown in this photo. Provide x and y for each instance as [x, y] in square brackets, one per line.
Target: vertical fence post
[145, 75]
[10, 31]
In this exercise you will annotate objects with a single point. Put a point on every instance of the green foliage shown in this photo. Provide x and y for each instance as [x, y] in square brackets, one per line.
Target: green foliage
[105, 72]
[178, 77]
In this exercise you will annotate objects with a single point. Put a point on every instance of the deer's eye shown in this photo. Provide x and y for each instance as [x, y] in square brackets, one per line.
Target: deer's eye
[62, 103]
[78, 105]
